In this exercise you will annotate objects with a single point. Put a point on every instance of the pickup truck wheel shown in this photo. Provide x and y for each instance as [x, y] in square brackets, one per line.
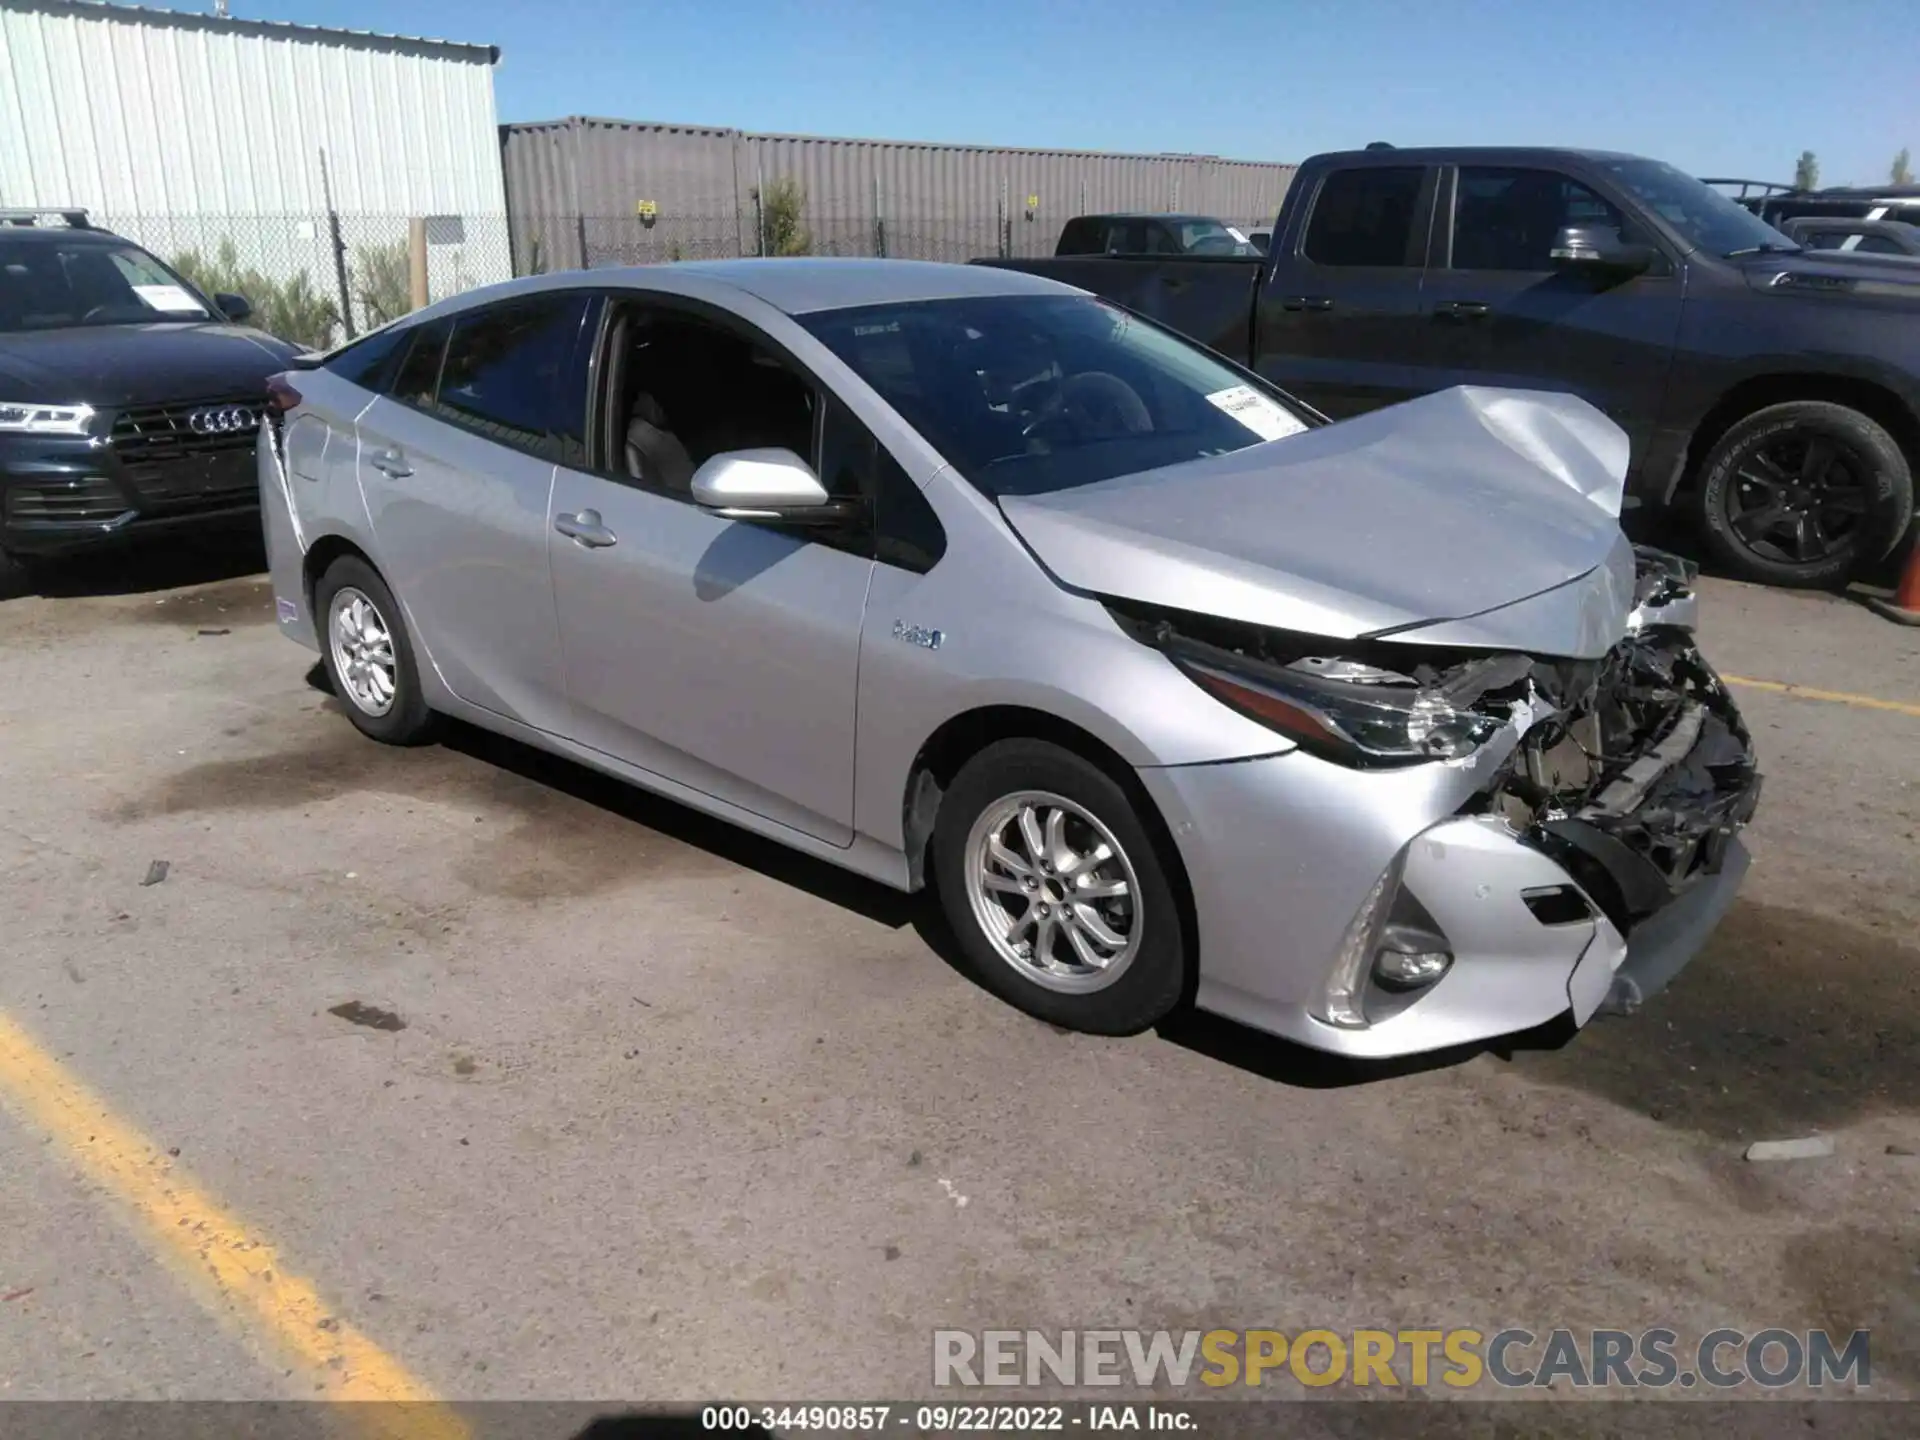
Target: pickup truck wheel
[1056, 892]
[1803, 494]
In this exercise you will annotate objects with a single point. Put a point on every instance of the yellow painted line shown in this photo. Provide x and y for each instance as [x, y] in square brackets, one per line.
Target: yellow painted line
[241, 1274]
[1834, 697]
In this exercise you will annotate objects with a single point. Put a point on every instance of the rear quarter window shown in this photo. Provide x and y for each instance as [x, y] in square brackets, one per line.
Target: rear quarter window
[369, 362]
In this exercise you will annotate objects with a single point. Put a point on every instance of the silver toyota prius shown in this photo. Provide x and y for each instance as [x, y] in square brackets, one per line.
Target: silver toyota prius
[1377, 735]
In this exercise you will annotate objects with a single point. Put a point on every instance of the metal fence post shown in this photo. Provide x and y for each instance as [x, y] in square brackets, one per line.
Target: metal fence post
[339, 249]
[879, 221]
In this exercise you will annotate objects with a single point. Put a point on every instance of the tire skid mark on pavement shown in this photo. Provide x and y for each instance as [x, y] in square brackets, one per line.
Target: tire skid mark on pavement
[1832, 697]
[241, 1276]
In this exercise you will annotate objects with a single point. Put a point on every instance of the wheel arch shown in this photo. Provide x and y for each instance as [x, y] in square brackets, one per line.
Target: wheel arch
[320, 556]
[1878, 402]
[965, 735]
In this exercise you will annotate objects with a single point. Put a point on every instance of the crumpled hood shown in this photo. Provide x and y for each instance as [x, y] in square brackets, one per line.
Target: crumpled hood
[112, 365]
[1491, 517]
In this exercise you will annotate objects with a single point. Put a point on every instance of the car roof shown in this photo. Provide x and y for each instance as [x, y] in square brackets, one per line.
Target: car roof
[806, 285]
[1150, 215]
[1854, 192]
[1474, 154]
[59, 234]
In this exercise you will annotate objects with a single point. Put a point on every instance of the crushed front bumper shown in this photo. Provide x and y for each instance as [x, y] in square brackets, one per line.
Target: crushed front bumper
[1304, 871]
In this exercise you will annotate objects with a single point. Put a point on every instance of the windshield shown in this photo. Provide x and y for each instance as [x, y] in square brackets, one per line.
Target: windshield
[1703, 216]
[1210, 237]
[48, 285]
[1029, 394]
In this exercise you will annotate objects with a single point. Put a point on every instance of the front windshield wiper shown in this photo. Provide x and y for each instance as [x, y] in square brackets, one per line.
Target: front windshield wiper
[1765, 247]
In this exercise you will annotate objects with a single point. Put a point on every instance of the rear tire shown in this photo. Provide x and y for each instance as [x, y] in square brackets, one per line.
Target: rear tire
[1105, 948]
[1804, 494]
[369, 655]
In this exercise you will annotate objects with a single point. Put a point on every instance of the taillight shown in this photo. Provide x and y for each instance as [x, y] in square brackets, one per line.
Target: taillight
[281, 397]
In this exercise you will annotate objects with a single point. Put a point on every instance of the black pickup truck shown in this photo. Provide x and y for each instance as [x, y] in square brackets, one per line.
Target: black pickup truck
[1772, 393]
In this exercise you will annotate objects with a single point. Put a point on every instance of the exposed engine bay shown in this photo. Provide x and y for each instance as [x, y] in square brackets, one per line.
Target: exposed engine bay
[1633, 770]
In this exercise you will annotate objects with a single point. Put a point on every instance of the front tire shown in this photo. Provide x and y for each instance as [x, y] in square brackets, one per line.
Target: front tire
[1804, 494]
[369, 655]
[1056, 892]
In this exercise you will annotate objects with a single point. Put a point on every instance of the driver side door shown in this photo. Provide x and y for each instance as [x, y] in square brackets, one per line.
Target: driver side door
[721, 654]
[1498, 312]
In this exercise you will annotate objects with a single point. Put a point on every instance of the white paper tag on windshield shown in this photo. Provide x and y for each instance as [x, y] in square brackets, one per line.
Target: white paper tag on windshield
[1266, 418]
[1234, 231]
[169, 298]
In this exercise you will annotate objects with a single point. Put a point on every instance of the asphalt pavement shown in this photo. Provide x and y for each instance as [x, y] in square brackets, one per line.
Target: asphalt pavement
[625, 1104]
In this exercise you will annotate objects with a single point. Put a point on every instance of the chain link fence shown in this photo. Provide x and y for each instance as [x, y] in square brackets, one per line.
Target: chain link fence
[319, 279]
[544, 243]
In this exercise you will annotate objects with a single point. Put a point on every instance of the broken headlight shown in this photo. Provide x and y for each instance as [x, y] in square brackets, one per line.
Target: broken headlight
[1345, 710]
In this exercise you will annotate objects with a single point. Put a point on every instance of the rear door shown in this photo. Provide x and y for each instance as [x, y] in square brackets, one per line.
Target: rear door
[1497, 312]
[1339, 321]
[456, 464]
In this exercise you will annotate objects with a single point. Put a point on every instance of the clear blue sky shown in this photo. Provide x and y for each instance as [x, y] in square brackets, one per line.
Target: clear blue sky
[1715, 86]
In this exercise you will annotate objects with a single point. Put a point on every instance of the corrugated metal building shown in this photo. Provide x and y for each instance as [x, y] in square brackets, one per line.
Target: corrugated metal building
[183, 130]
[592, 191]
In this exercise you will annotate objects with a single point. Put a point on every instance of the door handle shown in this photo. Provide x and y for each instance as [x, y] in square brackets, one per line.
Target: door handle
[1462, 310]
[390, 463]
[585, 529]
[1307, 302]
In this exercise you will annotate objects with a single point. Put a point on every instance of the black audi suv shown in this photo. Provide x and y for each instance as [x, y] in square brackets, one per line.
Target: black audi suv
[129, 400]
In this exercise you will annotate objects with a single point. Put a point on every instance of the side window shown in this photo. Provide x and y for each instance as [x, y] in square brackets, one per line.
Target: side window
[1125, 237]
[1081, 237]
[853, 463]
[1878, 245]
[1506, 218]
[1364, 216]
[509, 375]
[682, 390]
[419, 372]
[368, 362]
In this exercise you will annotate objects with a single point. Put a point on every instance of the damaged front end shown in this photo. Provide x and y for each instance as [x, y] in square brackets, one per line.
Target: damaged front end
[1632, 773]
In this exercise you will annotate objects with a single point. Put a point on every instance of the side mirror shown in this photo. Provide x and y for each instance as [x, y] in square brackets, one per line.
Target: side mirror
[1598, 247]
[774, 485]
[236, 308]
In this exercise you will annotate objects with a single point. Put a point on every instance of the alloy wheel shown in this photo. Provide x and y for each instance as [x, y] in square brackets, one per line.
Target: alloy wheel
[362, 646]
[1053, 891]
[1798, 498]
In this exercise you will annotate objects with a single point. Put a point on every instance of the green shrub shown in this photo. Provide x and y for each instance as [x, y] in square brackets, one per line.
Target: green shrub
[383, 282]
[292, 309]
[783, 205]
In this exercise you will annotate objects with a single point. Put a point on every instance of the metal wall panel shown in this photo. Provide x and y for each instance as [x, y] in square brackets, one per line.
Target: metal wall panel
[575, 187]
[1241, 192]
[149, 113]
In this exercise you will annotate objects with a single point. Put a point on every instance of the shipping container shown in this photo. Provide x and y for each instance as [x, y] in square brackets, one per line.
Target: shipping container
[586, 192]
[578, 187]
